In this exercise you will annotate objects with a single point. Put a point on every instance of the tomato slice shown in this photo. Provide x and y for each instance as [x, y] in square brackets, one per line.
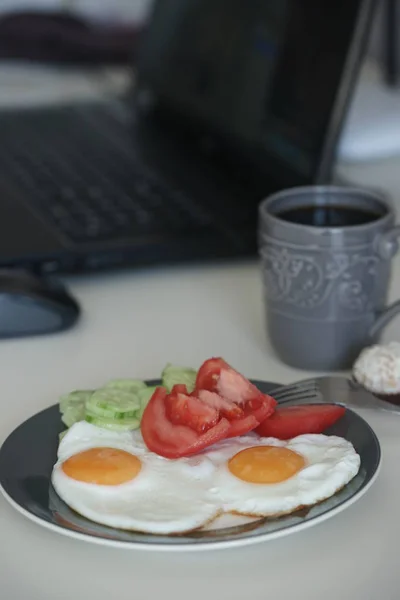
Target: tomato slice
[226, 408]
[180, 388]
[176, 439]
[216, 376]
[183, 409]
[289, 421]
[208, 374]
[223, 404]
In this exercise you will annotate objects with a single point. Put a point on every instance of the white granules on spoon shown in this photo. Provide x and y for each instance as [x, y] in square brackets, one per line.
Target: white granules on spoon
[378, 368]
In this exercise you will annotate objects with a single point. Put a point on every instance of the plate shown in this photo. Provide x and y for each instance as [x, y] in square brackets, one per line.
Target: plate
[29, 453]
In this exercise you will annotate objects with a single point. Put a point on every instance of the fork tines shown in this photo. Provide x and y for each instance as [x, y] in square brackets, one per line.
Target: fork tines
[304, 390]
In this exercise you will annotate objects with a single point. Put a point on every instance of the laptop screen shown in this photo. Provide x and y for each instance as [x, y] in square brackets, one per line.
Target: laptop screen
[262, 76]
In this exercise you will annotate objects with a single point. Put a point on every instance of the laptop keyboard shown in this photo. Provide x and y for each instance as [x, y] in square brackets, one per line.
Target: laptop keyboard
[89, 188]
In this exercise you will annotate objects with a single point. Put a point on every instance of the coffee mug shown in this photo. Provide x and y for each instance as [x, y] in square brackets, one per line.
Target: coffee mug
[325, 255]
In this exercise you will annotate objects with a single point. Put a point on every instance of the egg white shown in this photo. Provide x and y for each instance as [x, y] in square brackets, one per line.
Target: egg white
[181, 495]
[83, 436]
[165, 497]
[331, 462]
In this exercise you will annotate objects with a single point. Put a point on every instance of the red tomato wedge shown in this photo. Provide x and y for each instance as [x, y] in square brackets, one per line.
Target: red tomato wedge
[175, 438]
[224, 404]
[289, 421]
[248, 406]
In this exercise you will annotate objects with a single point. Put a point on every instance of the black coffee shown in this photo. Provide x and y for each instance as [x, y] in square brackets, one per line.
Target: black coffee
[329, 216]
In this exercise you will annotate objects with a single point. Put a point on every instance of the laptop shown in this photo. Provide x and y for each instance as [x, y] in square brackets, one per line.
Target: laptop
[232, 101]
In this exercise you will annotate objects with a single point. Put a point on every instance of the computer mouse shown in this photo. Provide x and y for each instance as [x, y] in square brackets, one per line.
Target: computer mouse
[33, 305]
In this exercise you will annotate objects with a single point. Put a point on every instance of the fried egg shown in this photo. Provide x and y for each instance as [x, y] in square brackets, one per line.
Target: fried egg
[113, 479]
[270, 477]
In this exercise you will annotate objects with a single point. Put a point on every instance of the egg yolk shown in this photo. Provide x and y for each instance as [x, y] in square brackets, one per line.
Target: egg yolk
[104, 466]
[265, 464]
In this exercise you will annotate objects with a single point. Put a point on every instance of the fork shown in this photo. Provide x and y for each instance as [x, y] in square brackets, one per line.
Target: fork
[329, 389]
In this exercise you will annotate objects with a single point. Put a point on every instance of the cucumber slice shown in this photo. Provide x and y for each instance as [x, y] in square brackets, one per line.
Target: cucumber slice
[72, 406]
[77, 398]
[129, 385]
[144, 397]
[113, 404]
[173, 375]
[73, 415]
[126, 425]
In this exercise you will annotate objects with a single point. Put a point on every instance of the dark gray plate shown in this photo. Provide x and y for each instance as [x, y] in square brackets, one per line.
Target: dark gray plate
[29, 453]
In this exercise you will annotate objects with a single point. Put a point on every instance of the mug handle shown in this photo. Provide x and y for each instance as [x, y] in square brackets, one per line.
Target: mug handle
[387, 245]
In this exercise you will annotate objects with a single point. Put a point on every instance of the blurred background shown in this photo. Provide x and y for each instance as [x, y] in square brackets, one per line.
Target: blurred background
[233, 101]
[97, 41]
[56, 51]
[135, 12]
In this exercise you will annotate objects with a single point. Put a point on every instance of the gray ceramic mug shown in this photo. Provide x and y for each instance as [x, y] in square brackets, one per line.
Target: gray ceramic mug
[325, 286]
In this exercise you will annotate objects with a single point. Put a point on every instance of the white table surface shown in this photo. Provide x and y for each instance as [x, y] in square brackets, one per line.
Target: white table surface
[133, 323]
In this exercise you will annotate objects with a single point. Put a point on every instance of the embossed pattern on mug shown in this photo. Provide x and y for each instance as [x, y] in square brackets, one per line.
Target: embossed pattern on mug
[307, 280]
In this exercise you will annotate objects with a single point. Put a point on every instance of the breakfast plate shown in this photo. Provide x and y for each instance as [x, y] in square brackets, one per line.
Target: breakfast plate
[29, 453]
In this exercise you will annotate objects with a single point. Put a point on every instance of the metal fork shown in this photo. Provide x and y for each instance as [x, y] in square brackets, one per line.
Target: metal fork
[338, 390]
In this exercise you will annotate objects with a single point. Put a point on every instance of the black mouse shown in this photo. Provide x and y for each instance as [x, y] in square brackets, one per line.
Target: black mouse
[33, 305]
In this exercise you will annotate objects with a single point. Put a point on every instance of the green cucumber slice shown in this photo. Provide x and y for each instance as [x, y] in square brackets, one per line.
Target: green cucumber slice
[76, 398]
[129, 385]
[126, 425]
[72, 415]
[173, 375]
[144, 397]
[113, 404]
[72, 406]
